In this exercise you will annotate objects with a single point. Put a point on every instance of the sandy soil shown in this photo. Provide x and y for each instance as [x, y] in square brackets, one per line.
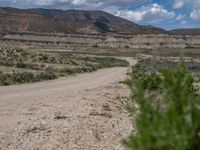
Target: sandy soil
[76, 113]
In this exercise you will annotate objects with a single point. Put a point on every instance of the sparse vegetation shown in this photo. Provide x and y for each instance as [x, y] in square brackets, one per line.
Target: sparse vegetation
[35, 66]
[188, 46]
[153, 66]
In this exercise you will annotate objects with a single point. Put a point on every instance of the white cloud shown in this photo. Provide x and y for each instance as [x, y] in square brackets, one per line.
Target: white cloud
[178, 4]
[68, 3]
[180, 17]
[194, 3]
[41, 2]
[195, 15]
[151, 14]
[184, 22]
[78, 2]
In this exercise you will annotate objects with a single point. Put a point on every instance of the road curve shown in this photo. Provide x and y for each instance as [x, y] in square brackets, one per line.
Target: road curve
[80, 112]
[63, 86]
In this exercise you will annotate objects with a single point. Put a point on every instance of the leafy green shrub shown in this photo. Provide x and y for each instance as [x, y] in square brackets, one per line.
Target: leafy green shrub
[173, 125]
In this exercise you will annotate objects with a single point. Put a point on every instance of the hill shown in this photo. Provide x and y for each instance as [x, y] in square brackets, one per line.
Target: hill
[69, 21]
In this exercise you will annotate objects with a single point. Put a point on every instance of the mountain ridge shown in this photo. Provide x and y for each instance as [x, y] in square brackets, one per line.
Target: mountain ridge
[186, 31]
[40, 20]
[69, 21]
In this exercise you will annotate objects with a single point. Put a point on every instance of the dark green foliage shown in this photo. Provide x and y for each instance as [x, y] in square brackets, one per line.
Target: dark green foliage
[173, 123]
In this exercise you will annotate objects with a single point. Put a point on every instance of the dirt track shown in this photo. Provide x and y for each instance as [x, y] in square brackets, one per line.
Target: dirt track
[80, 112]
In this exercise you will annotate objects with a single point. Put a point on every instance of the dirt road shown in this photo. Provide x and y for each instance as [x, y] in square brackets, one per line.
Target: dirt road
[81, 112]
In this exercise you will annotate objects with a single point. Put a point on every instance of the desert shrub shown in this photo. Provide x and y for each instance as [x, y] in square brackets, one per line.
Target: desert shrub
[28, 66]
[95, 46]
[5, 79]
[69, 71]
[175, 126]
[25, 77]
[72, 71]
[21, 65]
[35, 66]
[16, 78]
[6, 63]
[46, 75]
[106, 62]
[154, 65]
[148, 81]
[22, 77]
[44, 57]
[19, 50]
[188, 46]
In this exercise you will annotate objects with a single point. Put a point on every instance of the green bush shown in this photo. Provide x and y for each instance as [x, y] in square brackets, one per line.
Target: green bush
[173, 124]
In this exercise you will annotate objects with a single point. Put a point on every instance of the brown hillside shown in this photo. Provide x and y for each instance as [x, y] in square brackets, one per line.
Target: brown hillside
[70, 21]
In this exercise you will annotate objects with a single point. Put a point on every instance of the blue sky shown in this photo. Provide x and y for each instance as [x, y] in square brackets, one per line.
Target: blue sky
[166, 14]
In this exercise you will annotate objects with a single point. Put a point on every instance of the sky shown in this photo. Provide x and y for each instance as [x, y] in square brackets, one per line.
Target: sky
[168, 14]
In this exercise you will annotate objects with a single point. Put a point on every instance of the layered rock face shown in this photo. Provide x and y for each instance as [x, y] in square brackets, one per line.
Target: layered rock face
[115, 40]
